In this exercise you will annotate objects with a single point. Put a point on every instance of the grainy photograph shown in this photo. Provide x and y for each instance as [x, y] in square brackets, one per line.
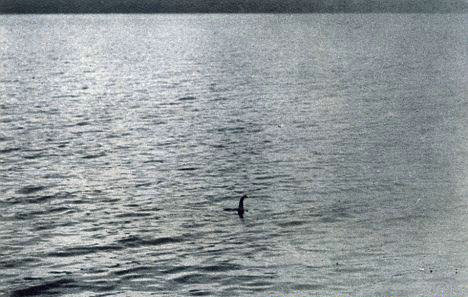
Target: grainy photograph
[258, 148]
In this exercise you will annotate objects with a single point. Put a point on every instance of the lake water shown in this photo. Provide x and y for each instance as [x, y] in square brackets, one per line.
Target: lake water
[123, 137]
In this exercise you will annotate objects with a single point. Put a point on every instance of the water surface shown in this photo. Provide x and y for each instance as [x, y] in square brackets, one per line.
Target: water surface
[122, 138]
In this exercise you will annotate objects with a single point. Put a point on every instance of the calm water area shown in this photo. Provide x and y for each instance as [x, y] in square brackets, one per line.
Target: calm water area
[123, 137]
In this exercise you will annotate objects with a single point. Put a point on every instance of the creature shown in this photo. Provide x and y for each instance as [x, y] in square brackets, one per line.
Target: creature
[240, 210]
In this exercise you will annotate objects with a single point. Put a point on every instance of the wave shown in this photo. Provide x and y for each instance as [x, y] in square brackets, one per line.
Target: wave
[30, 189]
[187, 98]
[44, 288]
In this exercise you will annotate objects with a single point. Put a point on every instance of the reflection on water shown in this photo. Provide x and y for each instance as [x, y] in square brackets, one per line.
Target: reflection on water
[122, 138]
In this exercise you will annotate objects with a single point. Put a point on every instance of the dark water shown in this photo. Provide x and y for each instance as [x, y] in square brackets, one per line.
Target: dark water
[122, 138]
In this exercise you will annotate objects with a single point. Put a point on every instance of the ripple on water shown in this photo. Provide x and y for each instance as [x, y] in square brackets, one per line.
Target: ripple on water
[199, 292]
[134, 270]
[9, 150]
[44, 288]
[187, 168]
[14, 263]
[291, 223]
[129, 242]
[84, 250]
[30, 189]
[136, 241]
[84, 123]
[187, 98]
[29, 197]
[94, 156]
[137, 214]
[195, 278]
[52, 210]
[221, 267]
[34, 156]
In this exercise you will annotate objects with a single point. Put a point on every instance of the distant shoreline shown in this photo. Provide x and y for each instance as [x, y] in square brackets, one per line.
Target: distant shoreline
[233, 13]
[229, 6]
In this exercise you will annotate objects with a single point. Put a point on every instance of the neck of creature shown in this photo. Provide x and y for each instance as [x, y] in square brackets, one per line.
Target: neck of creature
[241, 203]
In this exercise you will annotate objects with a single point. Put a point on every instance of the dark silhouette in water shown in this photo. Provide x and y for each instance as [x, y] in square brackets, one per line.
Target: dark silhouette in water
[240, 210]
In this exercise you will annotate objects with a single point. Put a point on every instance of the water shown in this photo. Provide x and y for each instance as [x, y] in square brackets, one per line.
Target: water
[122, 138]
